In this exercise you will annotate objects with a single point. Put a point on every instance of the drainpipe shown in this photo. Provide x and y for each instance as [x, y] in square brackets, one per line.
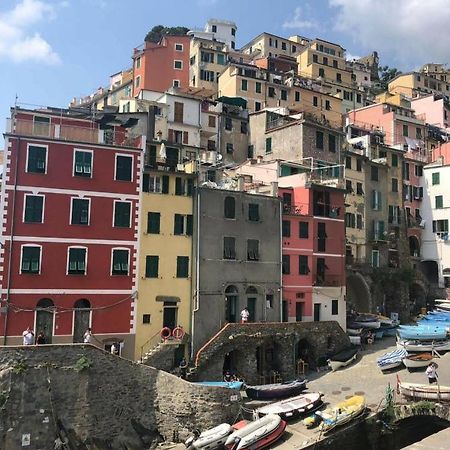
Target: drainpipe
[281, 261]
[13, 208]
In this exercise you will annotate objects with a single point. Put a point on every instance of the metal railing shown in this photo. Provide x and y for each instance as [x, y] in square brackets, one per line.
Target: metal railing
[329, 280]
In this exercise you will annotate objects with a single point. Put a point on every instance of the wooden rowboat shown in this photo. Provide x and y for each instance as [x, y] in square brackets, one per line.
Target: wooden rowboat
[425, 391]
[276, 390]
[418, 360]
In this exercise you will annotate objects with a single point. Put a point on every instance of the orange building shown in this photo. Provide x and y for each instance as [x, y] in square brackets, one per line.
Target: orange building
[158, 67]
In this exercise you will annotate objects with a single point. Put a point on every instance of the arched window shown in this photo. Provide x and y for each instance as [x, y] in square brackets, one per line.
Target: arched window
[231, 304]
[229, 208]
[45, 318]
[81, 319]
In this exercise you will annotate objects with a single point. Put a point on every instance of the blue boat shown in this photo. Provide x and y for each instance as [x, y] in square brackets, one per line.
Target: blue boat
[389, 330]
[407, 332]
[392, 359]
[236, 385]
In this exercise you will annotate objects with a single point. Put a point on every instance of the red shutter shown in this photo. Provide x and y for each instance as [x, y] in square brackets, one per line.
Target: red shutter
[171, 137]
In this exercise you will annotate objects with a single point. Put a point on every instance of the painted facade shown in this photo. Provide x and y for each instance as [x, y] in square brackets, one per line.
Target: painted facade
[70, 209]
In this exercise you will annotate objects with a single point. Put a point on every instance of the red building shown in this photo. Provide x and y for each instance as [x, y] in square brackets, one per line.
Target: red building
[158, 67]
[313, 248]
[69, 240]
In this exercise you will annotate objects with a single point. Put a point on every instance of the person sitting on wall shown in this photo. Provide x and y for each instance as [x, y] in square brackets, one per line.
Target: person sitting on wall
[40, 339]
[28, 336]
[227, 377]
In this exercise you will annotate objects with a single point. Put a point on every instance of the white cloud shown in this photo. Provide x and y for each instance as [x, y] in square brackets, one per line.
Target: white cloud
[407, 32]
[17, 42]
[300, 21]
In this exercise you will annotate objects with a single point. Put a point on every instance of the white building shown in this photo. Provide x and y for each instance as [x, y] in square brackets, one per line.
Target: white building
[218, 30]
[435, 212]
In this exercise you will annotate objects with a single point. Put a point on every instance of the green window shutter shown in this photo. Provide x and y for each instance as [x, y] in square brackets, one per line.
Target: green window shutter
[253, 212]
[190, 186]
[120, 262]
[189, 225]
[33, 208]
[124, 168]
[179, 186]
[303, 230]
[153, 222]
[77, 260]
[165, 184]
[151, 266]
[36, 159]
[182, 266]
[268, 145]
[146, 183]
[435, 178]
[83, 164]
[122, 214]
[178, 224]
[381, 229]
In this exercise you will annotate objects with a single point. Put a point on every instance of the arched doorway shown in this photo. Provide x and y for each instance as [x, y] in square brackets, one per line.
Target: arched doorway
[358, 294]
[252, 297]
[45, 318]
[414, 246]
[231, 304]
[430, 270]
[81, 319]
[303, 351]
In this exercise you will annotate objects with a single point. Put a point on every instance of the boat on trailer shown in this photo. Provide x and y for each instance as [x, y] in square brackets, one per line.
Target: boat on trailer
[424, 391]
[343, 358]
[293, 407]
[276, 390]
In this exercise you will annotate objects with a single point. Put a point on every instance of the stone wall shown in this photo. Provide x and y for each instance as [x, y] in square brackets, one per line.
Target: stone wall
[98, 400]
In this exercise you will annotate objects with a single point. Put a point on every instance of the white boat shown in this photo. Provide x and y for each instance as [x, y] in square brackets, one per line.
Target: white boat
[392, 359]
[425, 391]
[354, 331]
[355, 340]
[385, 320]
[343, 359]
[372, 324]
[257, 434]
[418, 360]
[424, 346]
[210, 439]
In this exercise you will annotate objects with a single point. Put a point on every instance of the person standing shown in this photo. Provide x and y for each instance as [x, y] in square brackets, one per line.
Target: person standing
[183, 368]
[87, 338]
[40, 339]
[431, 373]
[28, 336]
[245, 315]
[114, 349]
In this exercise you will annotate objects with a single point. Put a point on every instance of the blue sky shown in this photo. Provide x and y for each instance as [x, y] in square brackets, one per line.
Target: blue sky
[53, 50]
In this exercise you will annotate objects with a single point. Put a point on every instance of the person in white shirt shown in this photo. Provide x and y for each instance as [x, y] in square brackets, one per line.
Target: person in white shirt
[245, 315]
[28, 337]
[431, 373]
[114, 349]
[87, 338]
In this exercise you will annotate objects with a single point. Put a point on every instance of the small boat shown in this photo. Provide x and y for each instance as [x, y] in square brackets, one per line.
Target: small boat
[342, 412]
[276, 390]
[389, 330]
[417, 360]
[355, 340]
[210, 439]
[354, 331]
[365, 321]
[392, 359]
[385, 320]
[425, 391]
[424, 346]
[312, 421]
[293, 407]
[258, 434]
[343, 359]
[422, 332]
[236, 385]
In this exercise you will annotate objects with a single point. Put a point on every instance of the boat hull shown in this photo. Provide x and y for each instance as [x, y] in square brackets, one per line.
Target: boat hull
[417, 346]
[342, 359]
[425, 391]
[211, 439]
[342, 413]
[275, 391]
[418, 361]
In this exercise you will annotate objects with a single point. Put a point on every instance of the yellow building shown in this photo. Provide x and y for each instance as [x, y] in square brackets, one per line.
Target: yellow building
[415, 84]
[165, 249]
[393, 99]
[263, 89]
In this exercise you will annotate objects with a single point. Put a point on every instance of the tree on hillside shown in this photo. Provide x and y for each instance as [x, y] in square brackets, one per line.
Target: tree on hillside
[386, 75]
[158, 31]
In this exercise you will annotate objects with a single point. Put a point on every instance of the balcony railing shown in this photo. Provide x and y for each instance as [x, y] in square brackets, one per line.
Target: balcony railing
[62, 132]
[329, 280]
[414, 222]
[327, 210]
[293, 210]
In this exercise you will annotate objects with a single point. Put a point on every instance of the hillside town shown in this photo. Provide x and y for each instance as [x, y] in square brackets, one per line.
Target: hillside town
[280, 177]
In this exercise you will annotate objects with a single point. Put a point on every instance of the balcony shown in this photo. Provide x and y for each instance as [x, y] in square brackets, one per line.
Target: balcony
[293, 210]
[329, 280]
[327, 210]
[69, 133]
[414, 222]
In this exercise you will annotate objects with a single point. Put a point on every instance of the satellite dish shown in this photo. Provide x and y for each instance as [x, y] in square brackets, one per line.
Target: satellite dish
[219, 157]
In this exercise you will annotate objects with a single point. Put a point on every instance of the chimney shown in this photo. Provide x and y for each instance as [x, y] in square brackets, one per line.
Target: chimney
[240, 184]
[274, 188]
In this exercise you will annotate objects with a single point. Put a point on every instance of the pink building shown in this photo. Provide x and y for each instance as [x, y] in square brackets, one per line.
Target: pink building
[433, 109]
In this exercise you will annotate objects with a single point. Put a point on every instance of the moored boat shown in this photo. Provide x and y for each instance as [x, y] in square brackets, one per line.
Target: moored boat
[392, 359]
[236, 385]
[276, 390]
[423, 332]
[343, 358]
[365, 321]
[354, 331]
[418, 360]
[210, 439]
[424, 391]
[258, 434]
[423, 346]
[293, 407]
[387, 321]
[342, 412]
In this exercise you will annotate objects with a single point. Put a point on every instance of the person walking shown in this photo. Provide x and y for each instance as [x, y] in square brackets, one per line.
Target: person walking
[431, 373]
[245, 315]
[28, 336]
[87, 338]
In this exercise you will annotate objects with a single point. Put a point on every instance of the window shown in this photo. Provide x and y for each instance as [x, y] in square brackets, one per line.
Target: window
[325, 61]
[394, 185]
[374, 173]
[439, 201]
[322, 72]
[283, 94]
[315, 101]
[212, 121]
[146, 319]
[178, 47]
[122, 214]
[359, 165]
[268, 145]
[34, 206]
[339, 78]
[250, 152]
[334, 307]
[80, 211]
[253, 212]
[182, 266]
[303, 268]
[229, 148]
[359, 221]
[286, 228]
[258, 87]
[207, 75]
[153, 222]
[124, 166]
[77, 261]
[177, 64]
[418, 171]
[359, 189]
[137, 81]
[332, 143]
[244, 85]
[252, 250]
[375, 258]
[283, 46]
[120, 258]
[286, 265]
[435, 178]
[31, 259]
[82, 164]
[244, 127]
[229, 207]
[214, 28]
[394, 160]
[228, 124]
[405, 130]
[348, 186]
[37, 159]
[440, 226]
[376, 200]
[303, 228]
[350, 220]
[182, 225]
[319, 139]
[138, 62]
[178, 112]
[233, 32]
[229, 248]
[418, 133]
[257, 106]
[348, 162]
[156, 184]
[405, 169]
[321, 236]
[271, 92]
[297, 96]
[151, 266]
[315, 58]
[327, 105]
[221, 59]
[184, 186]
